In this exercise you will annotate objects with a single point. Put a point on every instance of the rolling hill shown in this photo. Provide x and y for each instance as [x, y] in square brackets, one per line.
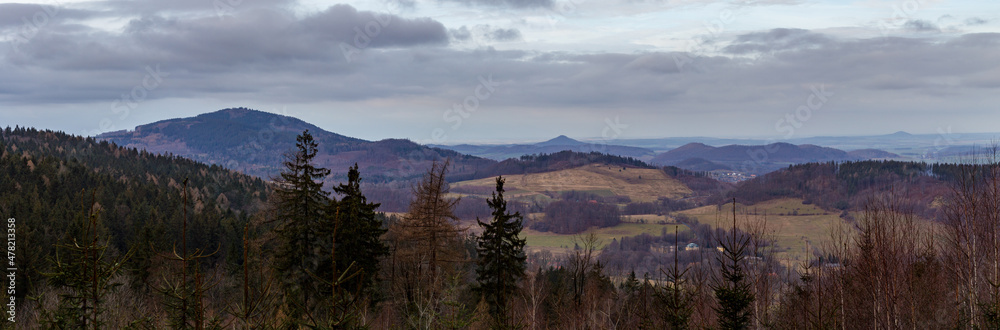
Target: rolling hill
[758, 159]
[560, 143]
[255, 142]
[50, 180]
[639, 184]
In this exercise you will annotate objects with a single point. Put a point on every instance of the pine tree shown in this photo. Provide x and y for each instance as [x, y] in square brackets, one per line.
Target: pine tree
[676, 299]
[184, 297]
[501, 262]
[86, 273]
[359, 232]
[301, 205]
[733, 290]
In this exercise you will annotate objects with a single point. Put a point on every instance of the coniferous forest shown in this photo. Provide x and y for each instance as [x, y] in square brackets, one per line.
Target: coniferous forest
[111, 237]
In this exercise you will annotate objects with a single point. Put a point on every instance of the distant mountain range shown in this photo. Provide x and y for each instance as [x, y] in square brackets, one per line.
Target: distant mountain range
[942, 146]
[560, 143]
[760, 158]
[256, 142]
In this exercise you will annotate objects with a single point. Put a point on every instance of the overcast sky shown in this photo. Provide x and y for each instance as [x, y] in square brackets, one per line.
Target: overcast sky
[451, 71]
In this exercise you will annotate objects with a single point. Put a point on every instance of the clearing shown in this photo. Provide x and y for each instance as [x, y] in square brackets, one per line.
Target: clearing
[639, 184]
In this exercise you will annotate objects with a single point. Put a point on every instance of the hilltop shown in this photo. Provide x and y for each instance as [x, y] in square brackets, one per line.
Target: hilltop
[758, 159]
[557, 144]
[49, 177]
[638, 184]
[255, 142]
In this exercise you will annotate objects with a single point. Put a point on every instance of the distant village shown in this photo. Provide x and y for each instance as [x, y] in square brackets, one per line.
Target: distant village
[730, 176]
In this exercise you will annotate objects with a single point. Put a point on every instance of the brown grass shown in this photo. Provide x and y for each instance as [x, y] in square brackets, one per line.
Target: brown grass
[641, 185]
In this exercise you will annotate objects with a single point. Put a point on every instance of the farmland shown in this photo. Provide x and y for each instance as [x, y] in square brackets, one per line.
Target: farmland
[640, 185]
[795, 226]
[557, 244]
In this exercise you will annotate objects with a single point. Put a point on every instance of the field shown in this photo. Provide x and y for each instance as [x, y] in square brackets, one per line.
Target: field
[559, 244]
[795, 226]
[640, 185]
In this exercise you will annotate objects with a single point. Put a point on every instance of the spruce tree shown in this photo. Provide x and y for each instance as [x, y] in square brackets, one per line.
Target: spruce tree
[359, 231]
[301, 204]
[501, 262]
[85, 272]
[732, 289]
[676, 299]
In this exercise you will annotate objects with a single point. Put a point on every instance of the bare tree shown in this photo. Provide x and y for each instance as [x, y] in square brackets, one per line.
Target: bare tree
[973, 240]
[426, 244]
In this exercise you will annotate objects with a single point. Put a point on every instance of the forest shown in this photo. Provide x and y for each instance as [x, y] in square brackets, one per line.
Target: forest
[110, 237]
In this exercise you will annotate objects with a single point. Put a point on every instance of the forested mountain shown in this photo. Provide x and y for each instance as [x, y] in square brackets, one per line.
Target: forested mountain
[557, 144]
[849, 185]
[758, 159]
[51, 179]
[255, 142]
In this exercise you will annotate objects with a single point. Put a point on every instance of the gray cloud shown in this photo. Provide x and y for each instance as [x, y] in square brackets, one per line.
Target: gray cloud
[19, 14]
[921, 26]
[508, 3]
[972, 21]
[213, 44]
[218, 7]
[776, 40]
[485, 33]
[280, 57]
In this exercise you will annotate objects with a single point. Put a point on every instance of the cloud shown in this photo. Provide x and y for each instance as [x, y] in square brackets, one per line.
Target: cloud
[973, 21]
[508, 3]
[282, 56]
[921, 26]
[485, 33]
[19, 14]
[251, 37]
[217, 7]
[776, 40]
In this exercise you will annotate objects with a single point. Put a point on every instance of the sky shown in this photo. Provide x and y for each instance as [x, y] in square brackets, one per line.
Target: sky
[456, 71]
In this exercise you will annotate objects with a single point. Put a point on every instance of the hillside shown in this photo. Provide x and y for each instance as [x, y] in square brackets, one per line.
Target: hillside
[638, 184]
[254, 142]
[848, 186]
[758, 159]
[560, 143]
[49, 176]
[796, 227]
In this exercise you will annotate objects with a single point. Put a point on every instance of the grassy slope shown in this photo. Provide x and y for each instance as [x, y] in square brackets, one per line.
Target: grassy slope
[564, 243]
[641, 185]
[792, 233]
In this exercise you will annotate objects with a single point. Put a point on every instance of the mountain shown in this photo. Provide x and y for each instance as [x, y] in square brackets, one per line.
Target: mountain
[560, 143]
[256, 142]
[758, 159]
[701, 164]
[871, 154]
[561, 140]
[848, 186]
[50, 178]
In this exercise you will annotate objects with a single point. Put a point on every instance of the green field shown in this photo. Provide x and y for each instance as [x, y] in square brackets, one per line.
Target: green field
[794, 226]
[562, 243]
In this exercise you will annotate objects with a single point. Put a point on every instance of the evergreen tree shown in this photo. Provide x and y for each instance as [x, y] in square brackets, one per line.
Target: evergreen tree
[733, 290]
[301, 205]
[184, 297]
[676, 299]
[501, 262]
[86, 273]
[359, 231]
